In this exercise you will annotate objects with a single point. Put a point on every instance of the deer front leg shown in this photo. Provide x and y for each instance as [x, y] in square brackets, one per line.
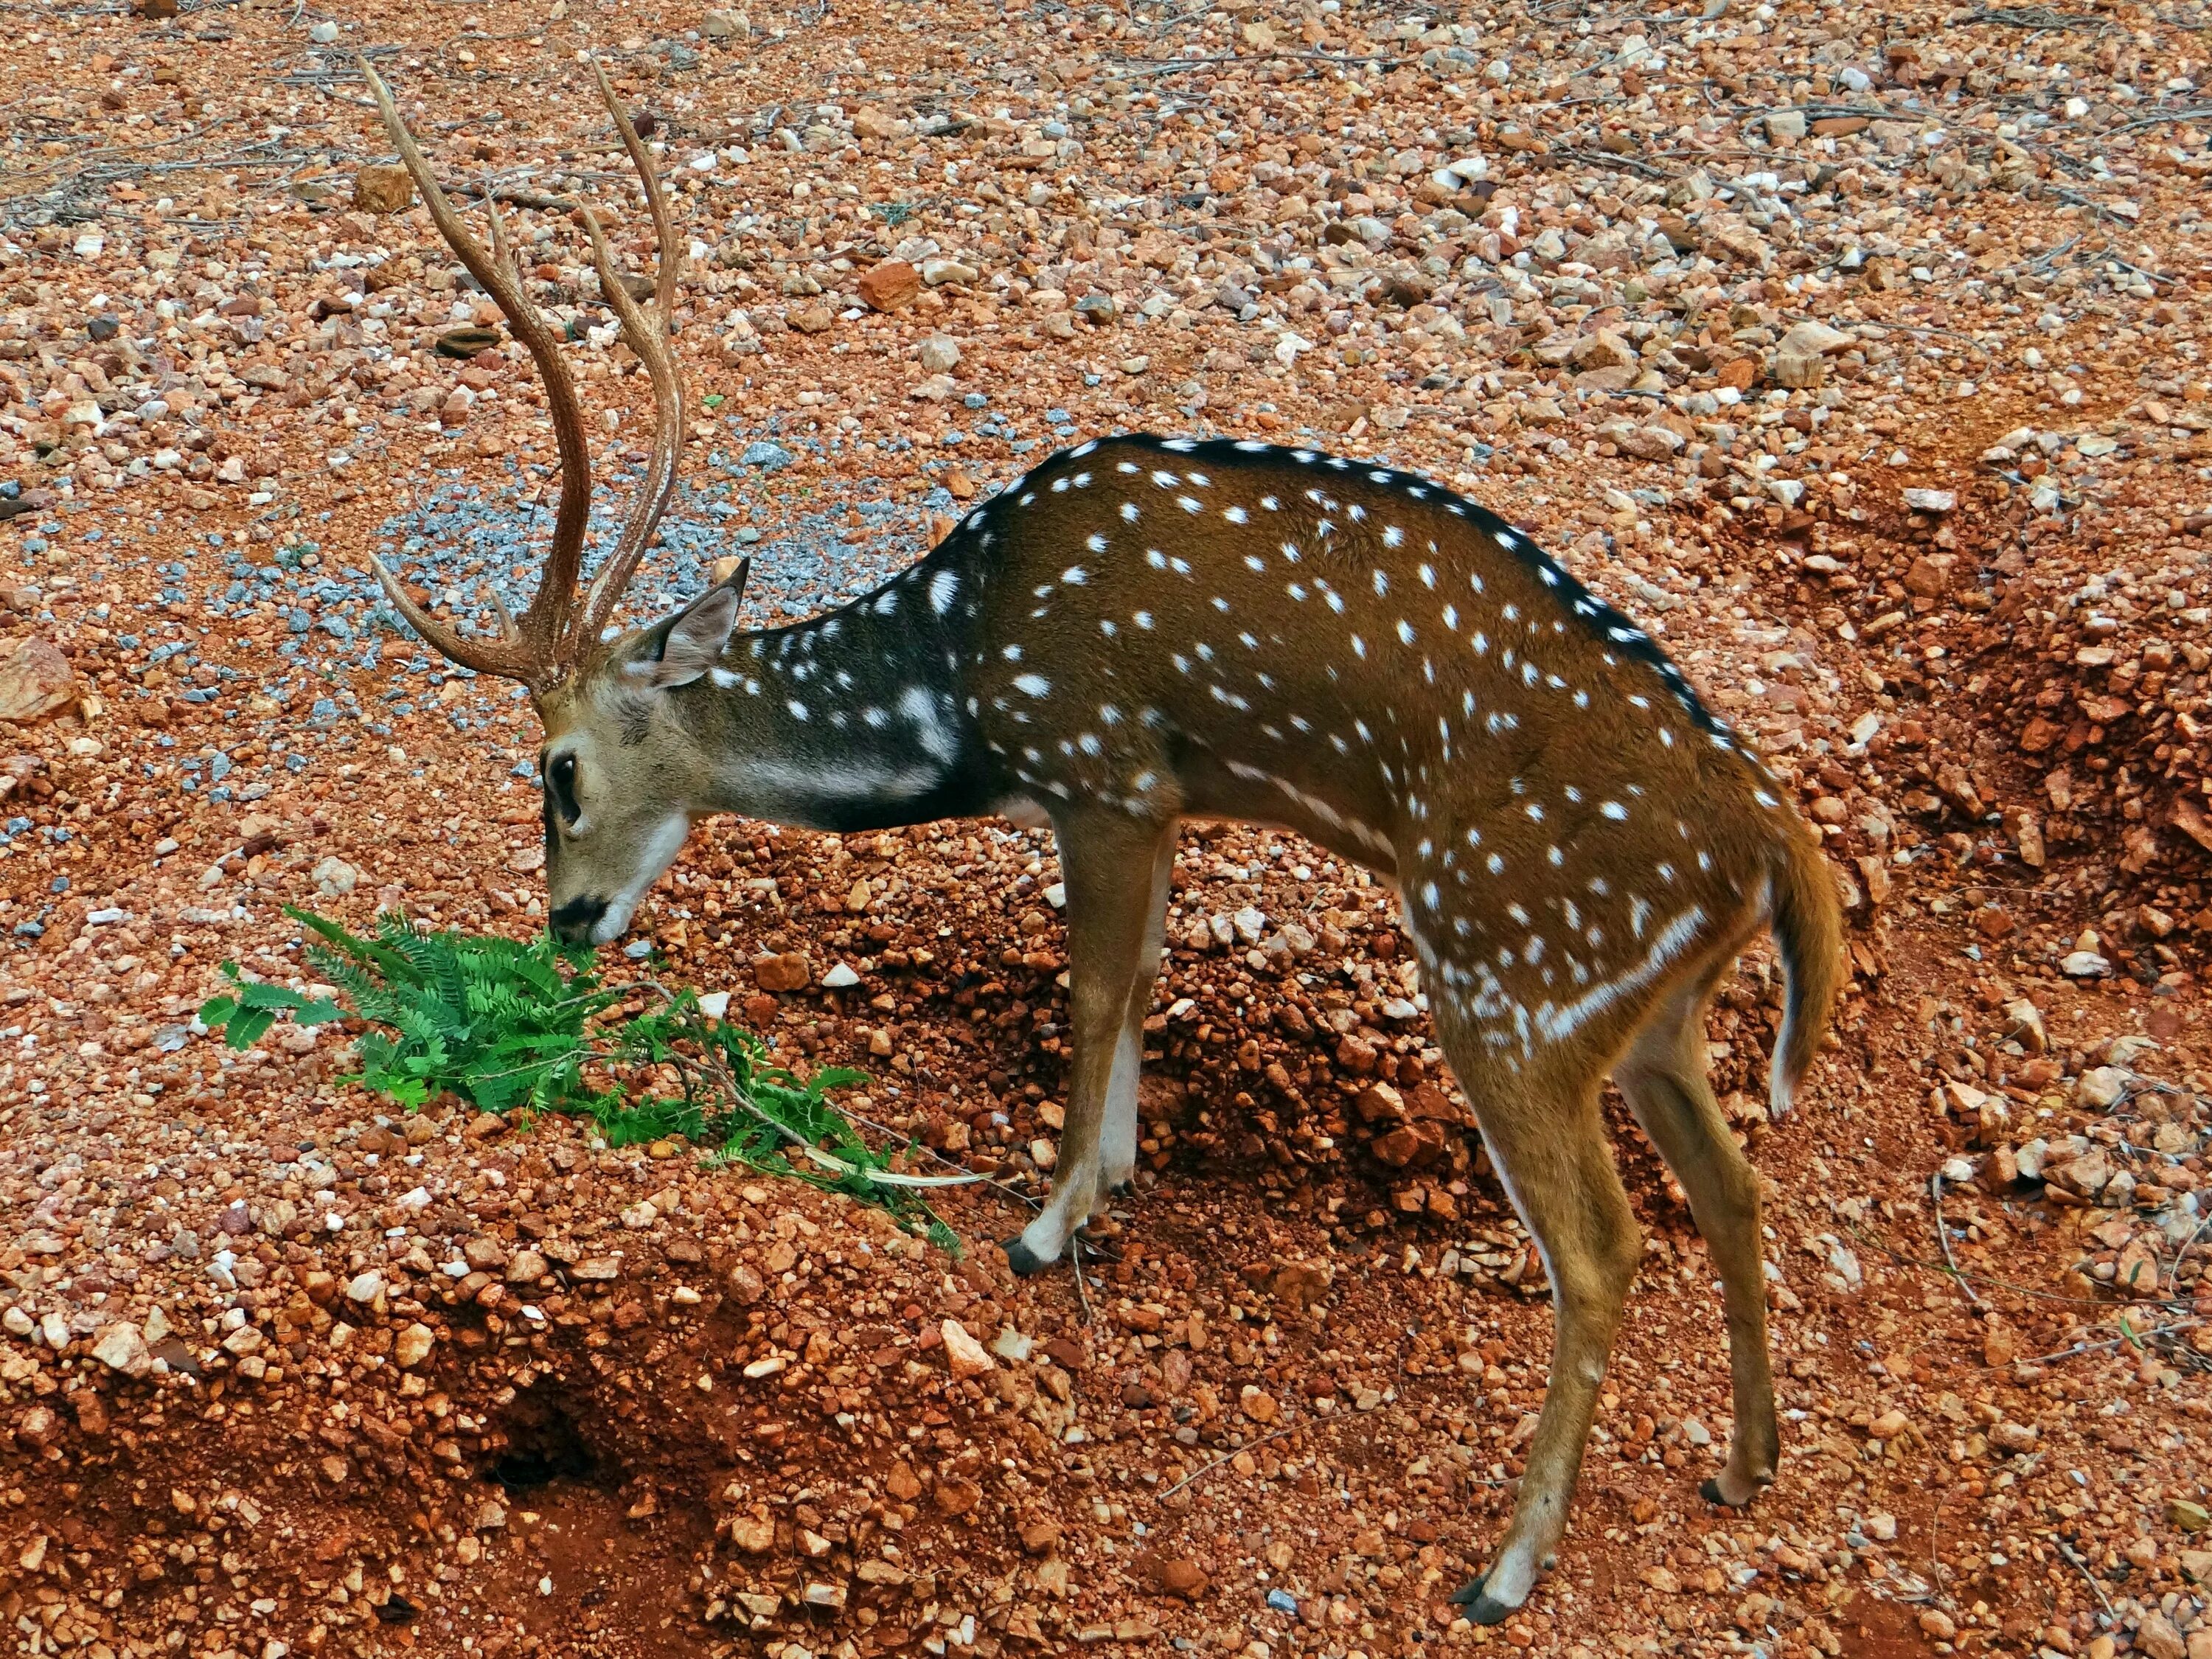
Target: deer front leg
[1114, 869]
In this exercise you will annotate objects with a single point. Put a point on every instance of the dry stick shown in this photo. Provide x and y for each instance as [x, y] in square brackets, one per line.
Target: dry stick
[2173, 1274]
[2149, 275]
[886, 1131]
[2195, 112]
[814, 1154]
[2067, 1550]
[2029, 1291]
[967, 1178]
[1943, 1238]
[713, 1065]
[1606, 160]
[2041, 19]
[1934, 1547]
[2080, 1348]
[511, 197]
[1075, 1254]
[1226, 1457]
[1137, 66]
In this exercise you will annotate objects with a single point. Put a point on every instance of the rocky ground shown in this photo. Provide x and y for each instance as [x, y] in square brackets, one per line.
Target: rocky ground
[1859, 354]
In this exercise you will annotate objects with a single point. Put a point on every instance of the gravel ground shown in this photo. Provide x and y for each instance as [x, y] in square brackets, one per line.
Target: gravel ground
[1859, 356]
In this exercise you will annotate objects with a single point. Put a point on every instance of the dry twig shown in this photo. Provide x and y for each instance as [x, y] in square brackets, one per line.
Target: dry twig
[1225, 1457]
[1943, 1238]
[2081, 1566]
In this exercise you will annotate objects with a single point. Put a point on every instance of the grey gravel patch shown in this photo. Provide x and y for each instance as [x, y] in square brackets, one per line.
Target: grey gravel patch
[464, 539]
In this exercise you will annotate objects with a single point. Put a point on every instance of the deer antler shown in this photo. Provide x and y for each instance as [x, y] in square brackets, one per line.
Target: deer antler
[545, 644]
[648, 338]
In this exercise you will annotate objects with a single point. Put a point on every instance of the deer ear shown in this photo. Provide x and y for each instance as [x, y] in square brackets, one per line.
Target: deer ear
[694, 642]
[732, 573]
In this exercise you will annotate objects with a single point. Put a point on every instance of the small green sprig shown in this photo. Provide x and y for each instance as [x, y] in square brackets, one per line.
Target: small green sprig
[524, 1028]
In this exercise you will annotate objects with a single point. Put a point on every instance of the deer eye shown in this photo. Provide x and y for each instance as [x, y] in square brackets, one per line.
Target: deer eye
[560, 785]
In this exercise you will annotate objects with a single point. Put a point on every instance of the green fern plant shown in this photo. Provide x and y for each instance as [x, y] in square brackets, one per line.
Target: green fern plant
[526, 1028]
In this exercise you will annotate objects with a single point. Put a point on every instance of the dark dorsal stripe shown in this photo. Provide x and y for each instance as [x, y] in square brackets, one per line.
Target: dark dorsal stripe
[1602, 622]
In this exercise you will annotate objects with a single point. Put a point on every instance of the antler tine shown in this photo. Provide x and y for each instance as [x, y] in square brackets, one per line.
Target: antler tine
[648, 338]
[540, 651]
[664, 287]
[507, 659]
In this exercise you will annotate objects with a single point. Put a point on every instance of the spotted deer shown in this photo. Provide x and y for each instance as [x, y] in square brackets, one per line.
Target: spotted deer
[1141, 630]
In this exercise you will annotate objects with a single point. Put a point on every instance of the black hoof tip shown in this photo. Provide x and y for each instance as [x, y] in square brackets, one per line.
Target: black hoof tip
[1482, 1607]
[1023, 1259]
[1710, 1492]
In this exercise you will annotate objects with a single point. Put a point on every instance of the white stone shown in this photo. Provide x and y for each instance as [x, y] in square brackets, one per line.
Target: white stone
[966, 1356]
[1808, 337]
[2101, 1089]
[122, 1347]
[839, 978]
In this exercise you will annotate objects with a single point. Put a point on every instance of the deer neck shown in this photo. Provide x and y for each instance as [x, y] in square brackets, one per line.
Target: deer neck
[850, 721]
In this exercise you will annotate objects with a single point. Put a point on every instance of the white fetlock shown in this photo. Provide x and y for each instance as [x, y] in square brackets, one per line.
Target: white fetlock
[1043, 1240]
[1117, 1140]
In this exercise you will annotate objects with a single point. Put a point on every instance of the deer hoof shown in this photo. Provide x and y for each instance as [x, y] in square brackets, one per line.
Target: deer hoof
[1023, 1259]
[1482, 1607]
[1713, 1492]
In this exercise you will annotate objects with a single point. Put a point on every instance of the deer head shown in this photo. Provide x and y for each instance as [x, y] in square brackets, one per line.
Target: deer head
[620, 778]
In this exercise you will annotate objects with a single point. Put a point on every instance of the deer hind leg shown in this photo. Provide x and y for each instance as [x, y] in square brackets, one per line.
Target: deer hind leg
[1118, 1155]
[1547, 1141]
[1110, 863]
[1663, 1079]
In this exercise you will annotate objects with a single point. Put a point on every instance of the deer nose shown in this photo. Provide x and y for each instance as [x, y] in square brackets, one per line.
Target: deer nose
[574, 921]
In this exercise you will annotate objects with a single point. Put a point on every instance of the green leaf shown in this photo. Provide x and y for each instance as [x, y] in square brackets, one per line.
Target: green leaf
[260, 994]
[246, 1027]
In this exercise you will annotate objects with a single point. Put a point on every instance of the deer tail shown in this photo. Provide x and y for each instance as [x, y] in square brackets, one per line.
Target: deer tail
[1807, 926]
